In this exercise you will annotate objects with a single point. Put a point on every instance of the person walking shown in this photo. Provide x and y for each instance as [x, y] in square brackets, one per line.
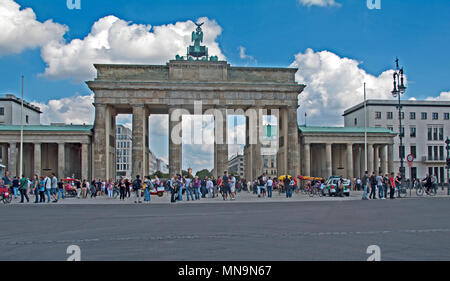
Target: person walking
[225, 185]
[232, 188]
[15, 187]
[42, 190]
[137, 186]
[148, 186]
[110, 188]
[61, 189]
[122, 189]
[373, 184]
[48, 187]
[196, 187]
[23, 186]
[380, 186]
[35, 188]
[54, 188]
[210, 187]
[269, 187]
[392, 186]
[365, 183]
[188, 188]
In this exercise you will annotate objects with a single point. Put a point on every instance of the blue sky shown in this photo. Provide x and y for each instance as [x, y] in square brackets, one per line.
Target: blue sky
[272, 32]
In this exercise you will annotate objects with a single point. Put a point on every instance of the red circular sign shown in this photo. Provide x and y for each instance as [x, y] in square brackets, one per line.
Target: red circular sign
[410, 158]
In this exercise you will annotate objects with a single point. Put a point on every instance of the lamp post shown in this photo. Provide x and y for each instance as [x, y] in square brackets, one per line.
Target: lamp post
[399, 90]
[447, 142]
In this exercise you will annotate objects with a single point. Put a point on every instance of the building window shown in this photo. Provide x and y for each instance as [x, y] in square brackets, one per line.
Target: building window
[414, 151]
[430, 134]
[412, 115]
[389, 115]
[1, 153]
[412, 132]
[424, 116]
[402, 131]
[27, 119]
[2, 111]
[402, 115]
[436, 153]
[441, 134]
[441, 175]
[441, 153]
[377, 115]
[435, 116]
[356, 121]
[446, 116]
[390, 128]
[435, 134]
[430, 152]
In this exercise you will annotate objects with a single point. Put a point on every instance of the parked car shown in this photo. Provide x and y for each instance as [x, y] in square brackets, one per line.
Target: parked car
[331, 186]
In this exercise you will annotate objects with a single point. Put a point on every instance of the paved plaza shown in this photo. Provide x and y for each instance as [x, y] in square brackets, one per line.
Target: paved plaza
[303, 229]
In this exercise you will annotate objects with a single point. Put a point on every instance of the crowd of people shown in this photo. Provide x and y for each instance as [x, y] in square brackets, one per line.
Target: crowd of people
[46, 189]
[383, 186]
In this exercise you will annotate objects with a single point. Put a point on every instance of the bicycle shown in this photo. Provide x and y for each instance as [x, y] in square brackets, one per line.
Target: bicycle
[402, 191]
[421, 190]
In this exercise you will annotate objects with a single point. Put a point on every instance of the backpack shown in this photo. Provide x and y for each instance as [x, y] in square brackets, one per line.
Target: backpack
[136, 185]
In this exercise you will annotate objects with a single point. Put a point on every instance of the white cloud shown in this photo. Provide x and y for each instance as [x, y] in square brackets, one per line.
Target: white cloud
[444, 96]
[244, 56]
[20, 30]
[72, 110]
[320, 3]
[335, 84]
[113, 40]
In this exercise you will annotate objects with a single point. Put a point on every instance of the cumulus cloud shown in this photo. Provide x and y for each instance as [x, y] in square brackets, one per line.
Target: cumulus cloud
[444, 96]
[75, 110]
[113, 40]
[335, 84]
[20, 30]
[320, 3]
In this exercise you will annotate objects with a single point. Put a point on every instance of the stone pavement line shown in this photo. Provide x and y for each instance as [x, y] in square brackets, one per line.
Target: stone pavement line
[227, 236]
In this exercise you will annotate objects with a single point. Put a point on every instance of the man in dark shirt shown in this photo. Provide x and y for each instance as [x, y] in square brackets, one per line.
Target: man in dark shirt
[225, 185]
[373, 183]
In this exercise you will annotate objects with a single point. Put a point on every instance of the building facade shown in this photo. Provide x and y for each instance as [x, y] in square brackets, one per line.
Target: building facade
[10, 108]
[425, 126]
[63, 150]
[236, 165]
[123, 152]
[340, 151]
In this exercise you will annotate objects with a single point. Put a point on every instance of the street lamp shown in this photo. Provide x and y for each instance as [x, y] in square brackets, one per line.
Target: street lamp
[399, 90]
[447, 142]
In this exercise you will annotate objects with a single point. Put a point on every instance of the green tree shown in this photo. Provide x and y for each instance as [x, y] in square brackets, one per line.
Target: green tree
[204, 173]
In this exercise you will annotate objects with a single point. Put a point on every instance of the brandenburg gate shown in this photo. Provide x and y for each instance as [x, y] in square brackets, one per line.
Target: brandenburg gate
[142, 90]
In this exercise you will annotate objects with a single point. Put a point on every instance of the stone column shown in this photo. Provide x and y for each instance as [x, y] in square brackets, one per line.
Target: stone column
[12, 159]
[37, 159]
[376, 161]
[61, 160]
[84, 161]
[328, 160]
[100, 142]
[283, 139]
[390, 158]
[140, 141]
[350, 161]
[293, 147]
[383, 150]
[357, 166]
[370, 166]
[175, 143]
[221, 145]
[307, 159]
